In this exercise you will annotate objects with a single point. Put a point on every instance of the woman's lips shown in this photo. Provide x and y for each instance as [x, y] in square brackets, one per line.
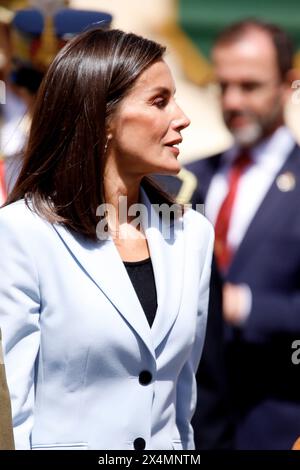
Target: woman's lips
[174, 150]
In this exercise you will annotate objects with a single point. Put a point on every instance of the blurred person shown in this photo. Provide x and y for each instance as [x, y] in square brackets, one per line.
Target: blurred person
[36, 34]
[103, 324]
[251, 195]
[13, 126]
[11, 107]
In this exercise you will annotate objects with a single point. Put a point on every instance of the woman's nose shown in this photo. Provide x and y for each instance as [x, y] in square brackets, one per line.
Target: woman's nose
[180, 121]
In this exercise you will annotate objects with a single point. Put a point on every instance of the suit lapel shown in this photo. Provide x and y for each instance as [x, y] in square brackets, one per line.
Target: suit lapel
[102, 263]
[166, 245]
[268, 214]
[205, 170]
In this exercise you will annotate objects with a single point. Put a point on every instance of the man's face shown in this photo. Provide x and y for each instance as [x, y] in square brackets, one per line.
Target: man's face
[253, 93]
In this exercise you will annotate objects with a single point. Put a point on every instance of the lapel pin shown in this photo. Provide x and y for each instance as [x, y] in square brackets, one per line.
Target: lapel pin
[286, 182]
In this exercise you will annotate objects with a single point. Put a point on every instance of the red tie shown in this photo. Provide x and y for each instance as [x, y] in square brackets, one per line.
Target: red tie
[222, 250]
[2, 183]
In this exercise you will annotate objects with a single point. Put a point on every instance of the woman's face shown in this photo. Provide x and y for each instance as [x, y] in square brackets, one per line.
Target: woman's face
[145, 131]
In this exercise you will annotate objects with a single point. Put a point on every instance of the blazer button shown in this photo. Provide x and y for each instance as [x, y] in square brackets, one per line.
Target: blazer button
[145, 377]
[139, 443]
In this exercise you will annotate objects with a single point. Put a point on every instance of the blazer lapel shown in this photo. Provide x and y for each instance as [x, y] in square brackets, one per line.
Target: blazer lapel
[268, 214]
[166, 245]
[102, 263]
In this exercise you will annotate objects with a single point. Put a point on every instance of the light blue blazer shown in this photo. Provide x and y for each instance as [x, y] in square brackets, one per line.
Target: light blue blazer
[76, 338]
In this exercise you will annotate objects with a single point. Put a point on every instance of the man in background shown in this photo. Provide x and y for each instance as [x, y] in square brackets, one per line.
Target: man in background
[251, 194]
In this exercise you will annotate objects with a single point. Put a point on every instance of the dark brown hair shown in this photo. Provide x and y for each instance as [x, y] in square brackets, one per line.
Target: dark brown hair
[62, 173]
[281, 41]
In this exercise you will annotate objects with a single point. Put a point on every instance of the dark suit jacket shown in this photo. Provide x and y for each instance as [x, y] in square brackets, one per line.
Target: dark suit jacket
[265, 384]
[212, 421]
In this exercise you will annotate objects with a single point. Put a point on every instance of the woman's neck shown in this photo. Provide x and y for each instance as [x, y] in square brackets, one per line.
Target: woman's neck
[120, 195]
[128, 237]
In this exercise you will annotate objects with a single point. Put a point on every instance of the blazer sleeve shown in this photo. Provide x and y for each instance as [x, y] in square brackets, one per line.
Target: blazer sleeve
[19, 321]
[186, 385]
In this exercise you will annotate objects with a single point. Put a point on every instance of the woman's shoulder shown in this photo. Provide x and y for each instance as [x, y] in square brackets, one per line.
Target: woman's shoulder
[195, 221]
[199, 233]
[19, 209]
[20, 218]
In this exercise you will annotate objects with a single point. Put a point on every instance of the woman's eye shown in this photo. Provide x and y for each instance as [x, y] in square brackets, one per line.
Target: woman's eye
[160, 102]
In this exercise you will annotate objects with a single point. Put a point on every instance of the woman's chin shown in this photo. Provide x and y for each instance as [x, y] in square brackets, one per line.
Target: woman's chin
[173, 167]
[171, 170]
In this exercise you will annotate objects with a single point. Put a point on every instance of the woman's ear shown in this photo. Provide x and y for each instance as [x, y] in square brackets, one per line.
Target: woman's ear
[109, 130]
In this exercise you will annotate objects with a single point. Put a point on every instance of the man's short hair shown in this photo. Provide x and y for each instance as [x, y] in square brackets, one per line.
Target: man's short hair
[282, 42]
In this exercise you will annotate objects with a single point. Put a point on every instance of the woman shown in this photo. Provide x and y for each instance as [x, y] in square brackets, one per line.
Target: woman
[103, 330]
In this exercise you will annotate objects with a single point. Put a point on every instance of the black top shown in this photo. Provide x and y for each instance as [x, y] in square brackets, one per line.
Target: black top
[142, 278]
